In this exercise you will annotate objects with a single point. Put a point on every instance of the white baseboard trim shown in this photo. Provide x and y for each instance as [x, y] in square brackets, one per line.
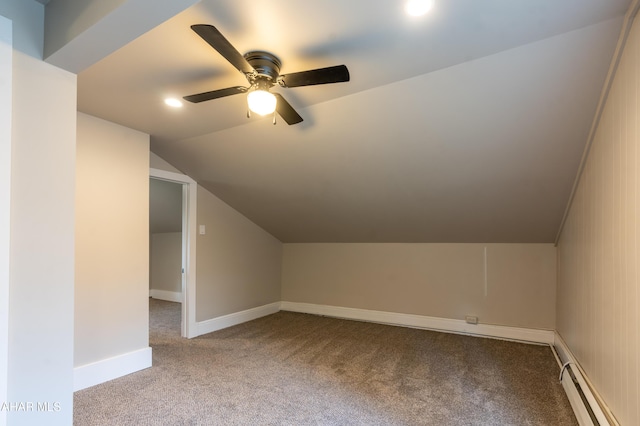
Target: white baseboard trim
[215, 324]
[565, 355]
[429, 323]
[102, 371]
[169, 296]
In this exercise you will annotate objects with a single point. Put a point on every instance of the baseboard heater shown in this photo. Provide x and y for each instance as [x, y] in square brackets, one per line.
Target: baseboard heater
[586, 407]
[570, 382]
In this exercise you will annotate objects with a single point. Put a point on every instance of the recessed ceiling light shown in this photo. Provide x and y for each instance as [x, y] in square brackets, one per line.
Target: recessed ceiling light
[173, 102]
[418, 7]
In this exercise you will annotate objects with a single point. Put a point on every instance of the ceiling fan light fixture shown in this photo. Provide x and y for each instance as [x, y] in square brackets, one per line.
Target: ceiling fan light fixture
[418, 7]
[173, 102]
[262, 71]
[261, 101]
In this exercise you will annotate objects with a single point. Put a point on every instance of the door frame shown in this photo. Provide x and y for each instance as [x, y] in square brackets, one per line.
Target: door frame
[189, 205]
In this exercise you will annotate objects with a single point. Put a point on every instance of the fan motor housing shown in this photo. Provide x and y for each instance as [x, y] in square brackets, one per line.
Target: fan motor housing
[265, 64]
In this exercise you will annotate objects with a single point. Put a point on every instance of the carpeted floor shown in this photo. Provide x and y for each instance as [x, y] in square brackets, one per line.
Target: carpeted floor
[297, 369]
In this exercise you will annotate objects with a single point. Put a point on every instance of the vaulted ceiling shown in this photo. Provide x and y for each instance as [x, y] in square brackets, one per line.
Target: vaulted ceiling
[464, 125]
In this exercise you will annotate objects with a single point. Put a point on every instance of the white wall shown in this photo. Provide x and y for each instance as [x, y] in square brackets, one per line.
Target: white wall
[437, 280]
[112, 241]
[6, 53]
[166, 262]
[41, 267]
[598, 257]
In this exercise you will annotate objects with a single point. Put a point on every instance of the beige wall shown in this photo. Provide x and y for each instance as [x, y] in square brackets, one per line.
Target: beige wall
[157, 162]
[166, 262]
[438, 280]
[41, 249]
[112, 240]
[598, 258]
[238, 263]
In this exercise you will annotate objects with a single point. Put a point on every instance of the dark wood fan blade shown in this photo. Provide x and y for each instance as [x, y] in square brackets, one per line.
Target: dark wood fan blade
[215, 94]
[335, 74]
[286, 111]
[211, 35]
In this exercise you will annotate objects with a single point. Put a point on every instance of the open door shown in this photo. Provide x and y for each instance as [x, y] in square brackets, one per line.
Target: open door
[188, 246]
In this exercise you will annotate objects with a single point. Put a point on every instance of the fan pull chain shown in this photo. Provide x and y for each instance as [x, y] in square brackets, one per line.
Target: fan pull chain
[274, 118]
[248, 113]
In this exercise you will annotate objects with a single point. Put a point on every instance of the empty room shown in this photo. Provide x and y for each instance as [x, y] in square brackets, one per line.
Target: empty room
[377, 213]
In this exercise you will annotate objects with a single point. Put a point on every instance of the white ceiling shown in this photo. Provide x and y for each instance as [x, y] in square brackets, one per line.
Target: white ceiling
[466, 125]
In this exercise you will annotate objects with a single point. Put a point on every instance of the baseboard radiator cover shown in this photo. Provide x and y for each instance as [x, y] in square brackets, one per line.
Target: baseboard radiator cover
[589, 408]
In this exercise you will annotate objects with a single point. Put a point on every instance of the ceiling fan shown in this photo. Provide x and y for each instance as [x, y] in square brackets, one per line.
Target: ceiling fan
[262, 71]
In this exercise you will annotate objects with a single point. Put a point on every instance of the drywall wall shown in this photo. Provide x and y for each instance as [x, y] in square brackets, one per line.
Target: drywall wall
[6, 71]
[165, 206]
[238, 263]
[28, 25]
[157, 162]
[166, 262]
[598, 259]
[43, 133]
[165, 240]
[112, 241]
[437, 280]
[76, 16]
[81, 32]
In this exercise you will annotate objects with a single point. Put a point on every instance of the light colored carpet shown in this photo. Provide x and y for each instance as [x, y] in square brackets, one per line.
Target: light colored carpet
[297, 369]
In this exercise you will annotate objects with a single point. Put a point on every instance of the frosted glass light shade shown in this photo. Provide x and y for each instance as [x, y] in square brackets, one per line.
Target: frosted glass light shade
[261, 102]
[418, 7]
[173, 102]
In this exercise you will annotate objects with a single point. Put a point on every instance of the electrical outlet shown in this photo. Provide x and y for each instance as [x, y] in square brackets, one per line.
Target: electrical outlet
[471, 319]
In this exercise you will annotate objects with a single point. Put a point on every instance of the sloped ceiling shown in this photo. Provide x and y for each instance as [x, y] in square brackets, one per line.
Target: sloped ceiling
[466, 125]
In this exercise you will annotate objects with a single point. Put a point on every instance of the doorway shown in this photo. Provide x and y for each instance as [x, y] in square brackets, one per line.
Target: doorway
[172, 232]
